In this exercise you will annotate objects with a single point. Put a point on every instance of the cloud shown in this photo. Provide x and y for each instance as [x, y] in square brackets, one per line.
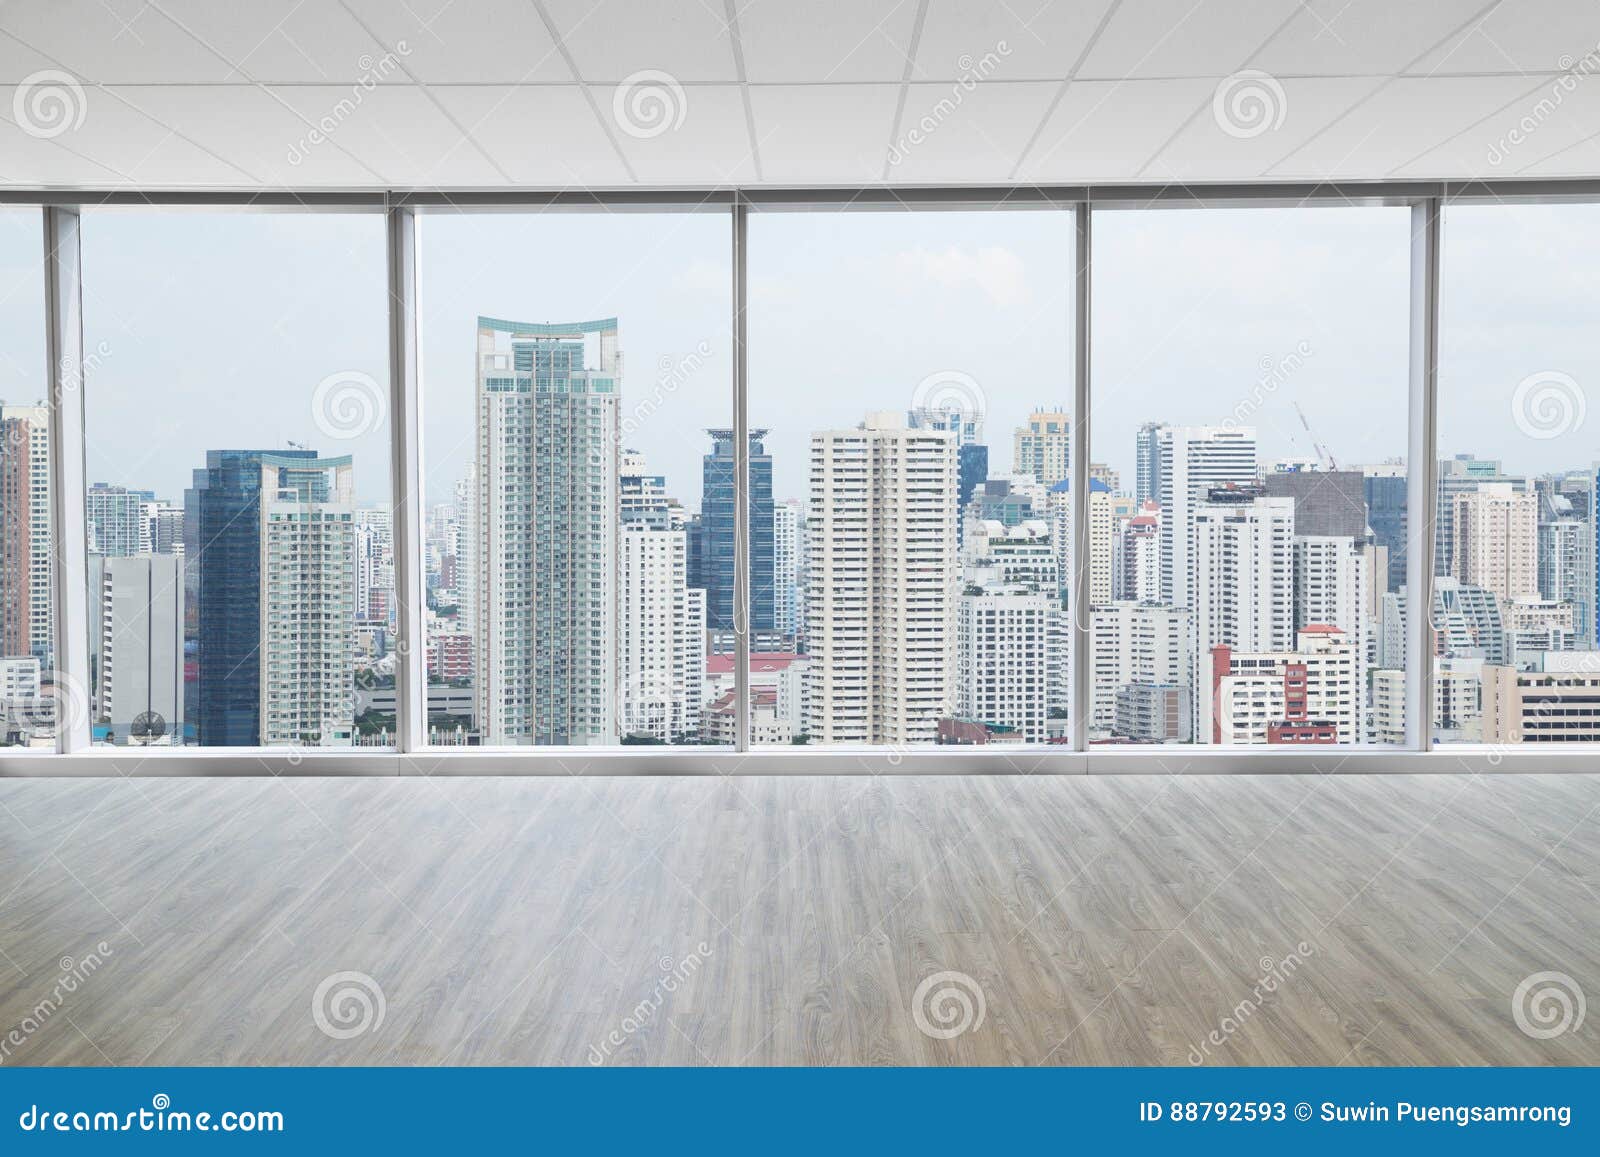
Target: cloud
[997, 272]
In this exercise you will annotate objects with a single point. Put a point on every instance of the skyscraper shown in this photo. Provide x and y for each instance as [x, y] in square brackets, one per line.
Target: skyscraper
[1496, 547]
[136, 646]
[1386, 488]
[115, 518]
[716, 530]
[27, 447]
[16, 541]
[547, 517]
[1191, 461]
[1147, 463]
[269, 562]
[662, 637]
[788, 547]
[880, 597]
[1043, 447]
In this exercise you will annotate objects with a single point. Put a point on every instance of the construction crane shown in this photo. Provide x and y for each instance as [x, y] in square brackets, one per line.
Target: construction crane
[1322, 451]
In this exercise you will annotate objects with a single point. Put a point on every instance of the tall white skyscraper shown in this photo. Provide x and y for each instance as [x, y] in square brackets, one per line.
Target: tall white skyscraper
[1242, 585]
[1191, 461]
[32, 425]
[466, 549]
[662, 637]
[880, 610]
[1333, 576]
[1043, 447]
[1010, 648]
[308, 581]
[788, 545]
[1141, 652]
[1496, 546]
[136, 646]
[547, 518]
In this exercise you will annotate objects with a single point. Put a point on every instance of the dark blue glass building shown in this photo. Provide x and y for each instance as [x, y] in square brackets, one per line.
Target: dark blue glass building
[715, 561]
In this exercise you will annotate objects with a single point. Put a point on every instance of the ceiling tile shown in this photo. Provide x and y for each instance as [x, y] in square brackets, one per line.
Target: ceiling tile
[136, 148]
[29, 160]
[1029, 39]
[113, 41]
[1215, 147]
[18, 62]
[611, 40]
[1360, 37]
[823, 134]
[397, 132]
[708, 145]
[1522, 36]
[248, 127]
[1104, 130]
[1404, 119]
[1180, 38]
[466, 41]
[285, 40]
[825, 41]
[541, 135]
[1538, 122]
[1581, 160]
[948, 133]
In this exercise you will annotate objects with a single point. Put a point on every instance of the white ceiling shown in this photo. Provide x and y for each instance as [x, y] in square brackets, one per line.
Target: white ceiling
[486, 93]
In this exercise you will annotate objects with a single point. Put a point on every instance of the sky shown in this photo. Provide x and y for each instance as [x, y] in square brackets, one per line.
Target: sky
[208, 329]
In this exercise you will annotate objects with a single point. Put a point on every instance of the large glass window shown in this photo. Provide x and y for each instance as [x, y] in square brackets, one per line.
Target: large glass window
[910, 391]
[1514, 625]
[577, 468]
[241, 571]
[1247, 524]
[34, 699]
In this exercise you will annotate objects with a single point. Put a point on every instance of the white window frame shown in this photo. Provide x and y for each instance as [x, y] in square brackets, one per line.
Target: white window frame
[64, 345]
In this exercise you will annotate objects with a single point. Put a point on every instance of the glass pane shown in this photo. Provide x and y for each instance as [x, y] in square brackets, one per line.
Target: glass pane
[577, 394]
[34, 699]
[1250, 406]
[1514, 598]
[240, 573]
[910, 388]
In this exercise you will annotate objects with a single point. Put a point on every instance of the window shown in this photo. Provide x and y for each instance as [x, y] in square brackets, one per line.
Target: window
[1247, 522]
[34, 698]
[577, 399]
[1514, 593]
[240, 564]
[910, 391]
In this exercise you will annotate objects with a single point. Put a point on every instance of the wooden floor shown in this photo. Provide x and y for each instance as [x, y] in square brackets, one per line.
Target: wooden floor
[779, 921]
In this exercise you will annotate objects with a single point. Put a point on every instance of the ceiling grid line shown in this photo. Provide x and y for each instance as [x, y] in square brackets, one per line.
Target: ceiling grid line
[905, 85]
[583, 86]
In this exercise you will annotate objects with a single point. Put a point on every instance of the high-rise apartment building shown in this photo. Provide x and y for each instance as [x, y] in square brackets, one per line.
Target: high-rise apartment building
[27, 450]
[1565, 561]
[1333, 576]
[881, 534]
[136, 647]
[115, 519]
[788, 565]
[661, 639]
[1136, 556]
[1043, 447]
[1557, 701]
[269, 562]
[1496, 529]
[546, 523]
[1386, 488]
[719, 485]
[308, 612]
[1307, 695]
[16, 542]
[1142, 665]
[1192, 461]
[1461, 474]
